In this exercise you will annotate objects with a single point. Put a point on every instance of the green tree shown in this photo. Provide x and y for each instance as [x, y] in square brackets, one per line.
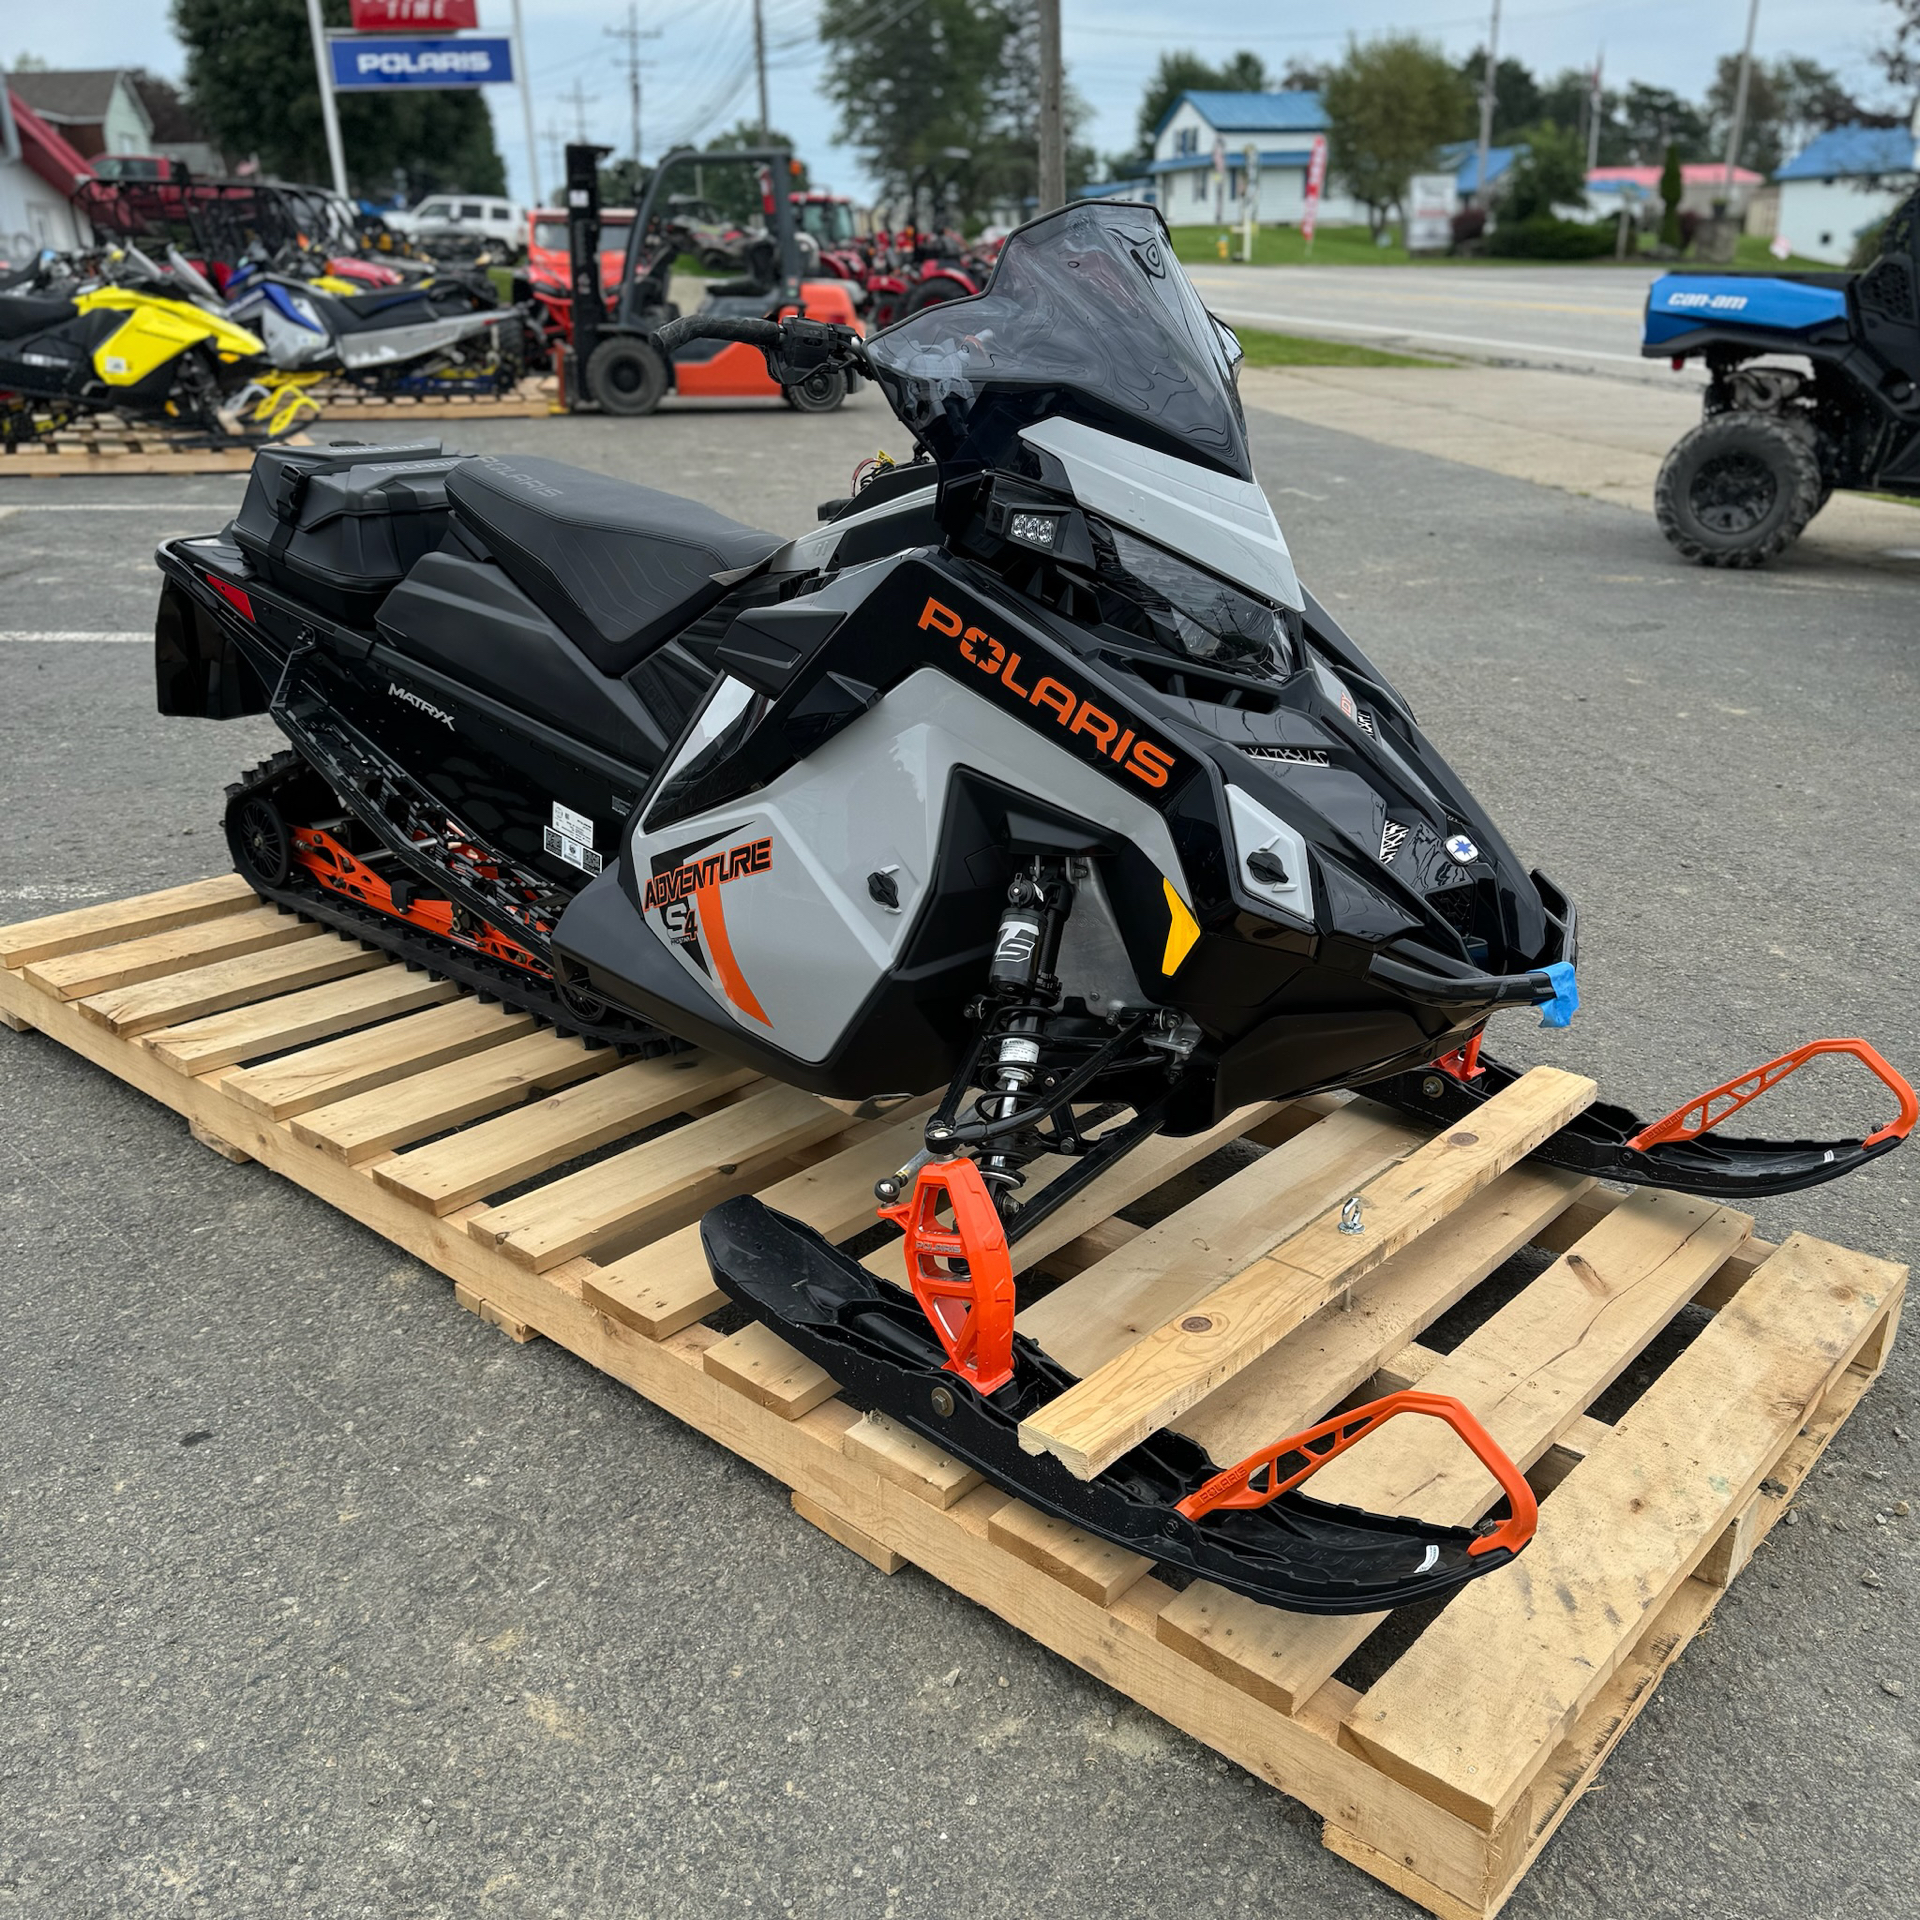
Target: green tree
[1389, 104]
[1551, 172]
[250, 79]
[1516, 93]
[1652, 119]
[946, 87]
[1186, 72]
[1812, 101]
[1898, 57]
[1671, 188]
[1760, 135]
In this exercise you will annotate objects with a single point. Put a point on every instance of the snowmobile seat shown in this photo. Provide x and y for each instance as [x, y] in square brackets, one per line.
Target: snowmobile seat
[22, 314]
[618, 568]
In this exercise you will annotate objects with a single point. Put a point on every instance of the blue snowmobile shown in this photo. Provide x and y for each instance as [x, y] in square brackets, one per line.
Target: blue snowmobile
[1777, 439]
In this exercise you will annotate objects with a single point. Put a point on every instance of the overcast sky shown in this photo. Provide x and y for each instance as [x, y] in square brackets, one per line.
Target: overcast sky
[701, 74]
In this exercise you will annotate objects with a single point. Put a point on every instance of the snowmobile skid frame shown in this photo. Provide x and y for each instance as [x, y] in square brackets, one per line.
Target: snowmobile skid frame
[1442, 1769]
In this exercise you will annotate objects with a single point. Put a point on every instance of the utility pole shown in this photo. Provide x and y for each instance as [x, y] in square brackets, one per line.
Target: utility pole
[1053, 132]
[526, 107]
[329, 114]
[1740, 100]
[1596, 105]
[760, 63]
[631, 33]
[581, 100]
[1486, 109]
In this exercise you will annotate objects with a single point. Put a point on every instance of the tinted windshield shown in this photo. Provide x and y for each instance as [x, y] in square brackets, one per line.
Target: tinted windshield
[1089, 315]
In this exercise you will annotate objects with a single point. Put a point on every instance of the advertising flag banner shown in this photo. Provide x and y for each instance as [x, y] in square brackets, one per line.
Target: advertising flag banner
[364, 62]
[1316, 180]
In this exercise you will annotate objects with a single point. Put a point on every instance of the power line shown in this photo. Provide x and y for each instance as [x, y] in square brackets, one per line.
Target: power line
[581, 100]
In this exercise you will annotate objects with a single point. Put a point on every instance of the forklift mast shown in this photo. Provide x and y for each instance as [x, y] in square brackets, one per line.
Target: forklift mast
[583, 248]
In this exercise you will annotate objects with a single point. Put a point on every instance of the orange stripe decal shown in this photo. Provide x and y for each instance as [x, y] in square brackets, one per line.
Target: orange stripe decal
[713, 923]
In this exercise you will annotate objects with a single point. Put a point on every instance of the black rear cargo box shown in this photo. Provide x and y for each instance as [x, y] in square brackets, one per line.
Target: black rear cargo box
[338, 526]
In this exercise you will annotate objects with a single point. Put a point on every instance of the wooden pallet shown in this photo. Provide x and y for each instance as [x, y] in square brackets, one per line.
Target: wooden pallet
[441, 1122]
[534, 400]
[112, 445]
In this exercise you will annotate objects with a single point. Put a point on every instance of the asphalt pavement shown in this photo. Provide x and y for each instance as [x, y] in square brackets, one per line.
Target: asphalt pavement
[317, 1596]
[1586, 318]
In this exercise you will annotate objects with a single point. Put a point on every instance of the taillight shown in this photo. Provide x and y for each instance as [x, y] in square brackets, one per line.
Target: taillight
[231, 595]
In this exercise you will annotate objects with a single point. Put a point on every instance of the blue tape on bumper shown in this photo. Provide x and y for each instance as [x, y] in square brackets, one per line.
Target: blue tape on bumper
[1559, 1011]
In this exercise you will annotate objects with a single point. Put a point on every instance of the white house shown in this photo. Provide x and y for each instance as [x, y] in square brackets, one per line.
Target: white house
[96, 110]
[1279, 126]
[38, 171]
[1843, 182]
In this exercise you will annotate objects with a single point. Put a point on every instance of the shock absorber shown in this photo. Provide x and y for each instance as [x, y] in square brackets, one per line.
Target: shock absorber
[1021, 979]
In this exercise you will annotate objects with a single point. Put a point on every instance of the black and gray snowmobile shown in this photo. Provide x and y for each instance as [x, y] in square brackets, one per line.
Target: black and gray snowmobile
[1032, 774]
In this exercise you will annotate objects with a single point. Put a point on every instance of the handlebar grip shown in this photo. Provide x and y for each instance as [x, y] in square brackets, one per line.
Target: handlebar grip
[697, 326]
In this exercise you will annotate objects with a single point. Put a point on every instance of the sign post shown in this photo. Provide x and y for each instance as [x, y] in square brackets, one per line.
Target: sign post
[1316, 180]
[330, 118]
[1249, 200]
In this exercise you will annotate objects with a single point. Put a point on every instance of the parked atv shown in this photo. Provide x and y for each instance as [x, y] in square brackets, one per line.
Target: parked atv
[1778, 439]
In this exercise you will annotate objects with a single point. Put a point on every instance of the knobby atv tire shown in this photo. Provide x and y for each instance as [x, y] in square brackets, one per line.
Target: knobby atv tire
[626, 376]
[1738, 490]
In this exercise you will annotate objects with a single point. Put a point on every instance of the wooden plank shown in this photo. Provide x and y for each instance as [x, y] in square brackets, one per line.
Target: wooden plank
[131, 1011]
[1094, 1568]
[899, 1454]
[1347, 1343]
[1153, 1162]
[1161, 1272]
[295, 1019]
[660, 1183]
[873, 1551]
[500, 1153]
[218, 1143]
[757, 1362]
[1527, 1375]
[374, 1057]
[1157, 1379]
[354, 1130]
[667, 1285]
[479, 1305]
[78, 975]
[113, 921]
[1618, 1539]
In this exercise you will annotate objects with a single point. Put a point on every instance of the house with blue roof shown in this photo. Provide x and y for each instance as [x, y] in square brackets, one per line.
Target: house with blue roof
[1181, 180]
[1843, 182]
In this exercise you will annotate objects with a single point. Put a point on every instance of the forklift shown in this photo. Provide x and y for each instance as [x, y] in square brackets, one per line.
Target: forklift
[614, 364]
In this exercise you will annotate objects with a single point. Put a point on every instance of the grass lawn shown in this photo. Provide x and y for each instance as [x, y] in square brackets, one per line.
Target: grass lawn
[1354, 247]
[1264, 349]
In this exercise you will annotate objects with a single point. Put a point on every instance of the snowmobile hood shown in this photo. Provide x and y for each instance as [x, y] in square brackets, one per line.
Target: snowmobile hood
[1088, 317]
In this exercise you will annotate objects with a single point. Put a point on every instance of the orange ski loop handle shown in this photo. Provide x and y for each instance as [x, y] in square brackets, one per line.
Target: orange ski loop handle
[961, 1275]
[1265, 1475]
[1705, 1111]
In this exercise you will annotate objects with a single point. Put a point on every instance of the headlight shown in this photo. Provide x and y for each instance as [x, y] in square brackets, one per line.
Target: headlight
[1159, 596]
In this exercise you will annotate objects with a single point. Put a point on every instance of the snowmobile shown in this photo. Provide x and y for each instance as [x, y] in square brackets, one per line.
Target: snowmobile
[423, 340]
[1032, 774]
[131, 338]
[1776, 439]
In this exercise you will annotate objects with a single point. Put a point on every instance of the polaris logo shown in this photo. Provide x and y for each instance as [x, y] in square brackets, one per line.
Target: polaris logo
[414, 700]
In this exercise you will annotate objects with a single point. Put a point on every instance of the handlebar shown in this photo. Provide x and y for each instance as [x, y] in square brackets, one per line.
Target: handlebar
[702, 326]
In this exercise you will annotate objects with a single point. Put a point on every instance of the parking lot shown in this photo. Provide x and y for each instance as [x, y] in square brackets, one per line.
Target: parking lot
[319, 1597]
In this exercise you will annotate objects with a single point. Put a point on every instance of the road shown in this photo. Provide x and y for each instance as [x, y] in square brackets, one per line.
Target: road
[1586, 318]
[426, 1624]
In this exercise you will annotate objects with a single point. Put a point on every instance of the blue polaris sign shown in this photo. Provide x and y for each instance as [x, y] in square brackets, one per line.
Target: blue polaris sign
[367, 60]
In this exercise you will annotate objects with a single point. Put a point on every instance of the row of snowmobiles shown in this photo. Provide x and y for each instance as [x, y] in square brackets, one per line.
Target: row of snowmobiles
[1030, 782]
[122, 331]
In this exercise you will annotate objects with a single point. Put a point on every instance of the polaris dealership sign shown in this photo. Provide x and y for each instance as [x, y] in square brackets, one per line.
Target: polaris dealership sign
[365, 61]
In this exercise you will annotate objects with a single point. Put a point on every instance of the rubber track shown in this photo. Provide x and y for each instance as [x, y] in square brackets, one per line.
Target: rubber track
[488, 978]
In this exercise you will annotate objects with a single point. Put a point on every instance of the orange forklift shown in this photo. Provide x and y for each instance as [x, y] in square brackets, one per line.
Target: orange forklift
[615, 365]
